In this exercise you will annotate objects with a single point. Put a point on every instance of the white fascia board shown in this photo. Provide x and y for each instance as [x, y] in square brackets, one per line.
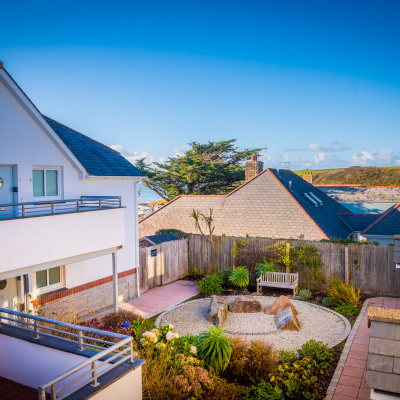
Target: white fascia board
[33, 112]
[134, 178]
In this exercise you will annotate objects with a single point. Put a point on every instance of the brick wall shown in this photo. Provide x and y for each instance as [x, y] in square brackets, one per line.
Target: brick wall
[88, 299]
[259, 208]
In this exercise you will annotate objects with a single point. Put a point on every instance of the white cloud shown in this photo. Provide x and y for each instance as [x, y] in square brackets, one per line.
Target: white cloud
[180, 151]
[335, 146]
[380, 157]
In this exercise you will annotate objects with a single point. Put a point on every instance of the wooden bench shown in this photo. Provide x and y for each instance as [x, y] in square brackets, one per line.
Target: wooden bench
[279, 280]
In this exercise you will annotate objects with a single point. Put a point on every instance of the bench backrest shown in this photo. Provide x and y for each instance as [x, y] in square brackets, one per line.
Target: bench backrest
[279, 277]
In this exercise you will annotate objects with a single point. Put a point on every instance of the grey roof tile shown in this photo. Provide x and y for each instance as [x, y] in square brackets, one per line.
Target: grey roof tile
[358, 222]
[96, 158]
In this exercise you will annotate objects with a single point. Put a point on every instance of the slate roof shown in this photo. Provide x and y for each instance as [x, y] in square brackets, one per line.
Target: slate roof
[161, 238]
[358, 222]
[325, 215]
[387, 224]
[97, 159]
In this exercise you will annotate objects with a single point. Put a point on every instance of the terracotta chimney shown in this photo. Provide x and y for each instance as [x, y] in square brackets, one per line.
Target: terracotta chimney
[308, 177]
[253, 167]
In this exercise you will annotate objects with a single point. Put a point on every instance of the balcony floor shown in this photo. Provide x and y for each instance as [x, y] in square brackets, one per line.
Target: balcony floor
[10, 390]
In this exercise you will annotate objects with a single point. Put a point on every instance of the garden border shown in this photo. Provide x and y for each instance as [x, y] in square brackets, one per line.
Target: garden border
[345, 353]
[347, 326]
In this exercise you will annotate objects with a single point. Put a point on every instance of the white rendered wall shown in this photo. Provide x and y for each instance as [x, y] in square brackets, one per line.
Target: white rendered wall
[37, 240]
[34, 365]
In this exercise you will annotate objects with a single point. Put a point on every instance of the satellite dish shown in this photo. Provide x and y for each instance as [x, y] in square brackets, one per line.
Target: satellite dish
[3, 284]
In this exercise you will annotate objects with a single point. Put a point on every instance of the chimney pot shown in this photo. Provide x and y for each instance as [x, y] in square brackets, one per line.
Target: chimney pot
[253, 157]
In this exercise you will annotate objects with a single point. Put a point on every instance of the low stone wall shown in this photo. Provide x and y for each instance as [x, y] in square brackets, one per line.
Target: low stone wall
[362, 193]
[87, 300]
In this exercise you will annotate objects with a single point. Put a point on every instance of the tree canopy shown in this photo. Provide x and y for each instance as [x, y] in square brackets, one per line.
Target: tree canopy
[206, 168]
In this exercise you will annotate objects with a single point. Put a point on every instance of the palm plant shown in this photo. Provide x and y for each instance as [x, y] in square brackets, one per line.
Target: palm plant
[208, 221]
[214, 348]
[264, 267]
[240, 277]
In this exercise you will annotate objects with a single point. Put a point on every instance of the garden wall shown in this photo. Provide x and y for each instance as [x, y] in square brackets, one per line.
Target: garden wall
[372, 268]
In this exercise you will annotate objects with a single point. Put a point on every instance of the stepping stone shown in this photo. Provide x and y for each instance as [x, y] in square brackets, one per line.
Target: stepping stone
[246, 304]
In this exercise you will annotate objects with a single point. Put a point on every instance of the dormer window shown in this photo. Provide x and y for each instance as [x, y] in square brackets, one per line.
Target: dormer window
[45, 182]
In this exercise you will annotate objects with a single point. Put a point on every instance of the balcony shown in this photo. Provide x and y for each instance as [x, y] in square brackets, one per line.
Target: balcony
[67, 361]
[41, 232]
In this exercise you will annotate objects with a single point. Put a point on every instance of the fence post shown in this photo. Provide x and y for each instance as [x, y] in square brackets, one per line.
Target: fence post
[346, 265]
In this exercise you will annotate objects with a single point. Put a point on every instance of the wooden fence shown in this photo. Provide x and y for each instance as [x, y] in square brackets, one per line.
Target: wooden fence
[372, 268]
[163, 263]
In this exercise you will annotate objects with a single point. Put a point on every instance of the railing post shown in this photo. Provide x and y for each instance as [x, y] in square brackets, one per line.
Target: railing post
[100, 204]
[94, 375]
[42, 393]
[36, 330]
[52, 208]
[80, 340]
[77, 205]
[120, 202]
[53, 392]
[131, 346]
[23, 210]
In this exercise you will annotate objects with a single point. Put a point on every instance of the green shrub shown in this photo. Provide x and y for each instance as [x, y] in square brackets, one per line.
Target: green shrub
[298, 380]
[342, 293]
[319, 352]
[211, 284]
[287, 356]
[264, 267]
[263, 391]
[326, 302]
[348, 310]
[225, 275]
[240, 277]
[214, 348]
[305, 294]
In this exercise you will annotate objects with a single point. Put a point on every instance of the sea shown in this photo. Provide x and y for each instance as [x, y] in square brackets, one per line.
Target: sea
[146, 195]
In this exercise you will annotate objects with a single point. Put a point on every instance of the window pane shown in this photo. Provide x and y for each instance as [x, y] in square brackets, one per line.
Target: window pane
[51, 183]
[38, 182]
[54, 275]
[41, 278]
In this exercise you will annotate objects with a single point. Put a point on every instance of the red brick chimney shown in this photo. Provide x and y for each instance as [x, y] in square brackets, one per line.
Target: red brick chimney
[253, 167]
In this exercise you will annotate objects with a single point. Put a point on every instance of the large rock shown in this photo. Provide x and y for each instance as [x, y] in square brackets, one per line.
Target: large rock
[279, 305]
[246, 304]
[286, 320]
[218, 310]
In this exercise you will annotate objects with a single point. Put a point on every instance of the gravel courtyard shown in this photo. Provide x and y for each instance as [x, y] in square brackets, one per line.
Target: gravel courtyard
[316, 322]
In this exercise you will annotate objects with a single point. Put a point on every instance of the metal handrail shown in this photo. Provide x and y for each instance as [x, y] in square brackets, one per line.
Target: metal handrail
[46, 207]
[124, 343]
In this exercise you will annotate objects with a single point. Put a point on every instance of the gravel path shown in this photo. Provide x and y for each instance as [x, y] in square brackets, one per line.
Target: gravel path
[316, 322]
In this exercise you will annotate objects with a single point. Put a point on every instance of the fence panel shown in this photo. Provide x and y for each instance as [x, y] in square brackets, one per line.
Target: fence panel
[372, 268]
[163, 263]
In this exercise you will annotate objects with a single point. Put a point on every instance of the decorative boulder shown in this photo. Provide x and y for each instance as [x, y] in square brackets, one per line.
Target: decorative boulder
[218, 310]
[286, 320]
[279, 305]
[246, 304]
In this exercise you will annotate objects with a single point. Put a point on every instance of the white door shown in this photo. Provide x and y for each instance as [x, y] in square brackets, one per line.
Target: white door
[6, 185]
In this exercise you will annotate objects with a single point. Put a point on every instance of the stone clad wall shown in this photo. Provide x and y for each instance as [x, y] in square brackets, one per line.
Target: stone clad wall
[86, 302]
[362, 193]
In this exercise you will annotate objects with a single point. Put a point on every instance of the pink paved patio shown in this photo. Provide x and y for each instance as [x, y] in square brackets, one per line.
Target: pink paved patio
[158, 299]
[351, 382]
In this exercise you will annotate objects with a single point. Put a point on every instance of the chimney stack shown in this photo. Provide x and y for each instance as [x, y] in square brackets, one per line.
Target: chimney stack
[253, 167]
[308, 177]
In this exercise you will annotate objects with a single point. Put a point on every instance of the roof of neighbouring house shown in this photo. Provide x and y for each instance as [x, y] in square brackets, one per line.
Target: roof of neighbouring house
[387, 224]
[325, 215]
[97, 159]
[358, 222]
[272, 193]
[160, 238]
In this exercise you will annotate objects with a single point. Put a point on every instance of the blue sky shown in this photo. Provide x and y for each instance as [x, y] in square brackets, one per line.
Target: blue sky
[317, 82]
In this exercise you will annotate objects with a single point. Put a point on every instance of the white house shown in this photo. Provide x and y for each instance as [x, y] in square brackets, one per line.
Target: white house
[68, 213]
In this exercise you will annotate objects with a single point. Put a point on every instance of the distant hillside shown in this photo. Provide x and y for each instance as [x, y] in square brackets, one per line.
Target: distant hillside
[367, 176]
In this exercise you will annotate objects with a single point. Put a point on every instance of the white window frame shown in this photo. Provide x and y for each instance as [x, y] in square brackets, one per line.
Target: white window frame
[55, 286]
[45, 197]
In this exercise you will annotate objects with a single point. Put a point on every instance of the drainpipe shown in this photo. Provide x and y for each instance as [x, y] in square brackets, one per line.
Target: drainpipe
[135, 202]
